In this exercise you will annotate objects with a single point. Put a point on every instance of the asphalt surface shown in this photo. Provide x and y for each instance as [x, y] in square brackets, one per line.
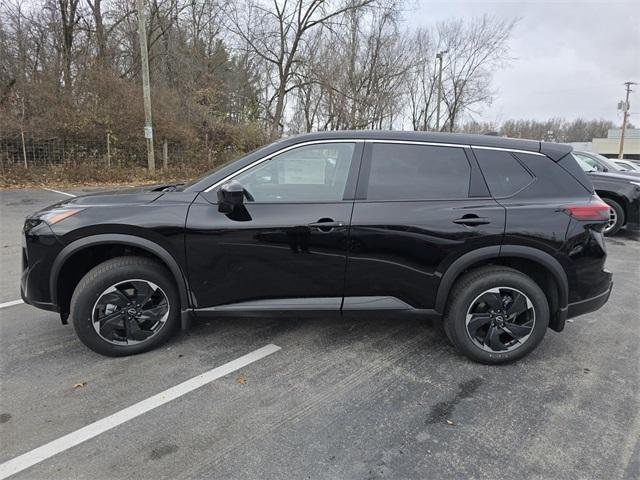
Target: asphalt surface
[367, 398]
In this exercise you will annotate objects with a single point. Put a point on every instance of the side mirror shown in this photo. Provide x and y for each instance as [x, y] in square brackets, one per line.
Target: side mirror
[230, 196]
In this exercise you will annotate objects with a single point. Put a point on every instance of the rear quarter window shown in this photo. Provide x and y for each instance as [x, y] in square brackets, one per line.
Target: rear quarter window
[570, 164]
[552, 181]
[504, 174]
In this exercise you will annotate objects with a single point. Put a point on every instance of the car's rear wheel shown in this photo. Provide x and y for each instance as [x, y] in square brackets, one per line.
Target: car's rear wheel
[616, 217]
[124, 306]
[496, 315]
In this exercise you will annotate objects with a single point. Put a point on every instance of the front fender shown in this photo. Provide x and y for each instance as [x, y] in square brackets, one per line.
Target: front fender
[120, 239]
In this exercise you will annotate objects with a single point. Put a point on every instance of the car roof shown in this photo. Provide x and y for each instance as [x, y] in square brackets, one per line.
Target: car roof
[553, 150]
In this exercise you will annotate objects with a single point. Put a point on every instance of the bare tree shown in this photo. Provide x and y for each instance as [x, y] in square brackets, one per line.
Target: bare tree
[354, 76]
[556, 129]
[229, 75]
[277, 33]
[474, 50]
[69, 18]
[422, 81]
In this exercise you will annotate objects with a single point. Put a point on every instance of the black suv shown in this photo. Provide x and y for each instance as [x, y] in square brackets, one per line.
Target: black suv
[499, 238]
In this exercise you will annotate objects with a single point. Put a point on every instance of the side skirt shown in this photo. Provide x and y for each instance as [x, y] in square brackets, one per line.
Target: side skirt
[314, 306]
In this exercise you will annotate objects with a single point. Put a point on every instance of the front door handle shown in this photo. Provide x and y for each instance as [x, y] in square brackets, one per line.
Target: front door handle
[326, 224]
[472, 220]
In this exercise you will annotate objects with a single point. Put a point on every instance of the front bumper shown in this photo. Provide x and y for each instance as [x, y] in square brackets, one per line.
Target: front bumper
[590, 304]
[39, 247]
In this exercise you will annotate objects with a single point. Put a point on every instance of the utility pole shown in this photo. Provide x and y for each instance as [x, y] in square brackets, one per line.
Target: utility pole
[625, 110]
[146, 88]
[439, 56]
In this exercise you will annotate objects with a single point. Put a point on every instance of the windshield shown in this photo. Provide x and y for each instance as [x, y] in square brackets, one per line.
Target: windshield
[628, 166]
[597, 162]
[587, 164]
[608, 163]
[583, 164]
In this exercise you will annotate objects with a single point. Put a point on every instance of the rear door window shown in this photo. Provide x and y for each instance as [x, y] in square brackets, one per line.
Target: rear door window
[417, 172]
[504, 174]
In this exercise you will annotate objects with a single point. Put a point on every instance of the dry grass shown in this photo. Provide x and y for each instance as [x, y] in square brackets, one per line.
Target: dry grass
[84, 175]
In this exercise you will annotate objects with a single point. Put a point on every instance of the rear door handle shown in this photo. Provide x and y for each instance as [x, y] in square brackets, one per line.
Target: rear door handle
[472, 221]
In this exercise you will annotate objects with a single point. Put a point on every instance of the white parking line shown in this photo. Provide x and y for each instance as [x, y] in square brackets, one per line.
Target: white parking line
[58, 191]
[83, 434]
[11, 303]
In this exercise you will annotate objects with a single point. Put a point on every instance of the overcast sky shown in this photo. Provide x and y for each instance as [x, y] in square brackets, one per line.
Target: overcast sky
[571, 57]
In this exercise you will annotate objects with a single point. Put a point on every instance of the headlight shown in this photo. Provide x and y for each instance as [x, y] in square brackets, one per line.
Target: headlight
[54, 216]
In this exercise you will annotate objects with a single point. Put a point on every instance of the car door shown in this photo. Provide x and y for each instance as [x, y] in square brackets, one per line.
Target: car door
[286, 247]
[418, 207]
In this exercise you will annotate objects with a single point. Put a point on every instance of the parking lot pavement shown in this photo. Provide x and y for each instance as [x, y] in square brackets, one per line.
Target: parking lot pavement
[366, 398]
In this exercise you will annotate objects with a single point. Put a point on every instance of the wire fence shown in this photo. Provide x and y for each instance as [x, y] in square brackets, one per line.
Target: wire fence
[34, 151]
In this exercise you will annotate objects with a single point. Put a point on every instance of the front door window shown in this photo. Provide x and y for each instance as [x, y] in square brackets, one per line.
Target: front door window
[311, 173]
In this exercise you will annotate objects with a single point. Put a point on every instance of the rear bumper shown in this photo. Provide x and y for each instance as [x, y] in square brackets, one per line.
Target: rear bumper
[42, 305]
[590, 304]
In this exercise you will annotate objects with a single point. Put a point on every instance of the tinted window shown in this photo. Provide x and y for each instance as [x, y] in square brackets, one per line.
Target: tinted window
[503, 173]
[313, 173]
[552, 181]
[572, 165]
[416, 172]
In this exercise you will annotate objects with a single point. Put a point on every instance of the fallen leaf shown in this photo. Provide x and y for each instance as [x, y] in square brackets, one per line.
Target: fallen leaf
[241, 380]
[79, 385]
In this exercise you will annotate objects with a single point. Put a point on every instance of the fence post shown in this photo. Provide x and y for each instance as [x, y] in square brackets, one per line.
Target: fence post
[24, 149]
[165, 154]
[108, 150]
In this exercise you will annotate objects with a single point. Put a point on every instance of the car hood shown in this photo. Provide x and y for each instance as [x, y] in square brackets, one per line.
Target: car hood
[125, 196]
[622, 176]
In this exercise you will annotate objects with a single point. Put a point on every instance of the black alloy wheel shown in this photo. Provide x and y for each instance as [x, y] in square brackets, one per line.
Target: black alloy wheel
[500, 319]
[496, 314]
[130, 312]
[124, 306]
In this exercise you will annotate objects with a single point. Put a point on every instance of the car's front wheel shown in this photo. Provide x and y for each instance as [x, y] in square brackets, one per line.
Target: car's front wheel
[124, 306]
[496, 315]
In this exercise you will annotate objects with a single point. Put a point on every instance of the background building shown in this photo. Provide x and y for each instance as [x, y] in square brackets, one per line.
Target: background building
[610, 146]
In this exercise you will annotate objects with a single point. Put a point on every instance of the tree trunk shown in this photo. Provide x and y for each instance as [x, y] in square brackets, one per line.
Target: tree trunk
[101, 41]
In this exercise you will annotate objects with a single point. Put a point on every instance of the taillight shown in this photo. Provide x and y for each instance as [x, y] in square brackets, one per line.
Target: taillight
[595, 210]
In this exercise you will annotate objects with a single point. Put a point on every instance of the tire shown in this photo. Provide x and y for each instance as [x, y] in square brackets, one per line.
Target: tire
[108, 289]
[467, 308]
[618, 211]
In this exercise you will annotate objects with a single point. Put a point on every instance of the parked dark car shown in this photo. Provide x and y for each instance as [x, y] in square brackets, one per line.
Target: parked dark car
[628, 165]
[621, 191]
[500, 238]
[602, 164]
